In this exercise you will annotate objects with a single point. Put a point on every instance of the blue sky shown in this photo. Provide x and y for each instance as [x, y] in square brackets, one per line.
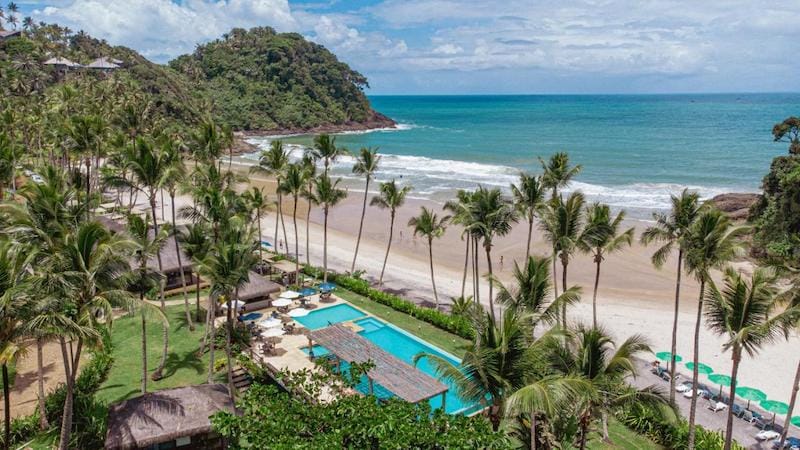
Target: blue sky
[483, 46]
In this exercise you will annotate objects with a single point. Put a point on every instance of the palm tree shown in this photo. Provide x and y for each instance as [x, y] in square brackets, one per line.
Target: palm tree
[196, 245]
[671, 231]
[310, 167]
[293, 184]
[492, 216]
[743, 312]
[325, 150]
[461, 212]
[207, 142]
[86, 134]
[557, 172]
[529, 201]
[601, 236]
[561, 223]
[366, 165]
[12, 270]
[792, 296]
[145, 280]
[711, 244]
[592, 354]
[328, 194]
[273, 162]
[391, 197]
[430, 226]
[7, 162]
[257, 201]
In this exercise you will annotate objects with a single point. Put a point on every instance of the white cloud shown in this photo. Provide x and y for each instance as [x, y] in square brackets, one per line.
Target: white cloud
[447, 49]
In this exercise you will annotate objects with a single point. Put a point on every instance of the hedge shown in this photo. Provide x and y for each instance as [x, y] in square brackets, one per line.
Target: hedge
[447, 322]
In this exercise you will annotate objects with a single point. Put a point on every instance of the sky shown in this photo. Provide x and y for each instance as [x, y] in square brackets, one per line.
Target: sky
[484, 46]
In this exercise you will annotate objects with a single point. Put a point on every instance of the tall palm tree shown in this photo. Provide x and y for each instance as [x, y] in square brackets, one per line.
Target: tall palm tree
[257, 201]
[557, 173]
[144, 280]
[273, 162]
[461, 211]
[391, 197]
[328, 194]
[325, 150]
[671, 230]
[562, 222]
[366, 165]
[86, 134]
[429, 225]
[310, 167]
[196, 245]
[529, 201]
[12, 316]
[207, 142]
[492, 217]
[744, 313]
[601, 236]
[792, 297]
[7, 162]
[293, 184]
[711, 244]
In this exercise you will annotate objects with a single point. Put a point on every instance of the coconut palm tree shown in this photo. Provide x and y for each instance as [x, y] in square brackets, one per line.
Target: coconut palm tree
[711, 244]
[671, 230]
[792, 297]
[557, 173]
[207, 142]
[529, 201]
[366, 165]
[273, 162]
[85, 134]
[196, 244]
[461, 211]
[257, 202]
[293, 183]
[325, 150]
[145, 280]
[744, 313]
[430, 226]
[310, 167]
[591, 353]
[12, 313]
[562, 222]
[328, 194]
[391, 197]
[601, 236]
[492, 216]
[7, 161]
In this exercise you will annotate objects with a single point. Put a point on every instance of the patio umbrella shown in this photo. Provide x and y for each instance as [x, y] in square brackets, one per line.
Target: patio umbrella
[270, 323]
[266, 244]
[667, 357]
[282, 302]
[775, 407]
[721, 380]
[273, 332]
[796, 421]
[305, 292]
[327, 286]
[298, 312]
[748, 393]
[289, 294]
[236, 305]
[701, 368]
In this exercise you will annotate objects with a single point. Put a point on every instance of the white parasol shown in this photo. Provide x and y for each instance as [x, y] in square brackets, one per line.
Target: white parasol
[298, 312]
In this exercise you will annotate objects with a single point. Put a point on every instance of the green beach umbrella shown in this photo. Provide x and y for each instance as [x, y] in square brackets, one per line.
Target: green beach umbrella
[796, 421]
[748, 393]
[667, 356]
[775, 407]
[701, 368]
[721, 380]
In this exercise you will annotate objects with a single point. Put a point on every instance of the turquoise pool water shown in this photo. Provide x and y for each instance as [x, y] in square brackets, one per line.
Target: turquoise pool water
[400, 344]
[323, 317]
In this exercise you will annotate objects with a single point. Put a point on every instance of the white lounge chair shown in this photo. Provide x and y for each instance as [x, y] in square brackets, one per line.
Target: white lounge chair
[683, 387]
[767, 435]
[717, 406]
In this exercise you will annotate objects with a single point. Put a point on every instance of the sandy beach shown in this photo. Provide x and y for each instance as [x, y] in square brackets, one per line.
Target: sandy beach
[634, 297]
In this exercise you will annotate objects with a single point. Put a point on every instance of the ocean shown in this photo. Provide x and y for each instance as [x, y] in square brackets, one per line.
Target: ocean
[635, 149]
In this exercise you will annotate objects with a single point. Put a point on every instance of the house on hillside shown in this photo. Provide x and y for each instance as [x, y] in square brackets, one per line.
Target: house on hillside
[169, 419]
[6, 35]
[104, 64]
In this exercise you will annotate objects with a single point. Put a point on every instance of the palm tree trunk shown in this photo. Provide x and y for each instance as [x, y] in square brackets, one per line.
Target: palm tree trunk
[674, 347]
[325, 245]
[476, 270]
[66, 417]
[491, 297]
[277, 225]
[228, 336]
[144, 349]
[466, 263]
[555, 275]
[795, 388]
[260, 237]
[43, 424]
[308, 221]
[360, 225]
[197, 297]
[180, 264]
[7, 407]
[211, 314]
[564, 264]
[388, 247]
[283, 224]
[530, 233]
[88, 187]
[433, 281]
[594, 294]
[533, 431]
[157, 374]
[695, 359]
[296, 244]
[737, 357]
[584, 431]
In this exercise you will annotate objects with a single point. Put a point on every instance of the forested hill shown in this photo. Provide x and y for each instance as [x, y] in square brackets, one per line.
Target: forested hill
[256, 80]
[263, 80]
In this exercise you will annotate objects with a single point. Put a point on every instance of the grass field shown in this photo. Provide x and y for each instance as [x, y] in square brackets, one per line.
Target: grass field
[621, 437]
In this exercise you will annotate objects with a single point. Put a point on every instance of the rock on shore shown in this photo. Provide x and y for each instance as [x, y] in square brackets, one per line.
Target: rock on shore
[736, 205]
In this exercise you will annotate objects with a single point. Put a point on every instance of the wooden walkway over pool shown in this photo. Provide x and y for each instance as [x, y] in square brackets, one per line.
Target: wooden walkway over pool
[402, 379]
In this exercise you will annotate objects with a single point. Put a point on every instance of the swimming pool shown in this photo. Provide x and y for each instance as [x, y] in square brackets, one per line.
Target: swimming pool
[321, 318]
[400, 344]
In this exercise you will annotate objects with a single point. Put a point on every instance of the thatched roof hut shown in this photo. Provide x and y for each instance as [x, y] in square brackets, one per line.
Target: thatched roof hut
[169, 259]
[103, 63]
[180, 415]
[61, 62]
[257, 288]
[8, 34]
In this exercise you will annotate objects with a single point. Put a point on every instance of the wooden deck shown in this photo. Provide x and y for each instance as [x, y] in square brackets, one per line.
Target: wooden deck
[402, 379]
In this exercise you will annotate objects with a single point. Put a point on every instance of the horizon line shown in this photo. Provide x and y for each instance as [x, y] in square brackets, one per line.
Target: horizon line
[573, 94]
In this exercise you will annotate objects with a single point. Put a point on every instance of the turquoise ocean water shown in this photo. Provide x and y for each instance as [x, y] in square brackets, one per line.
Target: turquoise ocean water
[635, 150]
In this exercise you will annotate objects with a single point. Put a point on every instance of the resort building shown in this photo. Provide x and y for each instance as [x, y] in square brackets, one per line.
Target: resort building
[104, 64]
[60, 63]
[256, 293]
[170, 267]
[169, 419]
[6, 35]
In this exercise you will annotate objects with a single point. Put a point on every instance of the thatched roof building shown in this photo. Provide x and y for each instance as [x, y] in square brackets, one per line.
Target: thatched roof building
[60, 62]
[103, 63]
[8, 34]
[177, 417]
[257, 288]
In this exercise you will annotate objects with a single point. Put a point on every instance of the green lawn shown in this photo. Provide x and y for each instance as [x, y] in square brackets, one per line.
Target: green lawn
[621, 436]
[436, 336]
[183, 366]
